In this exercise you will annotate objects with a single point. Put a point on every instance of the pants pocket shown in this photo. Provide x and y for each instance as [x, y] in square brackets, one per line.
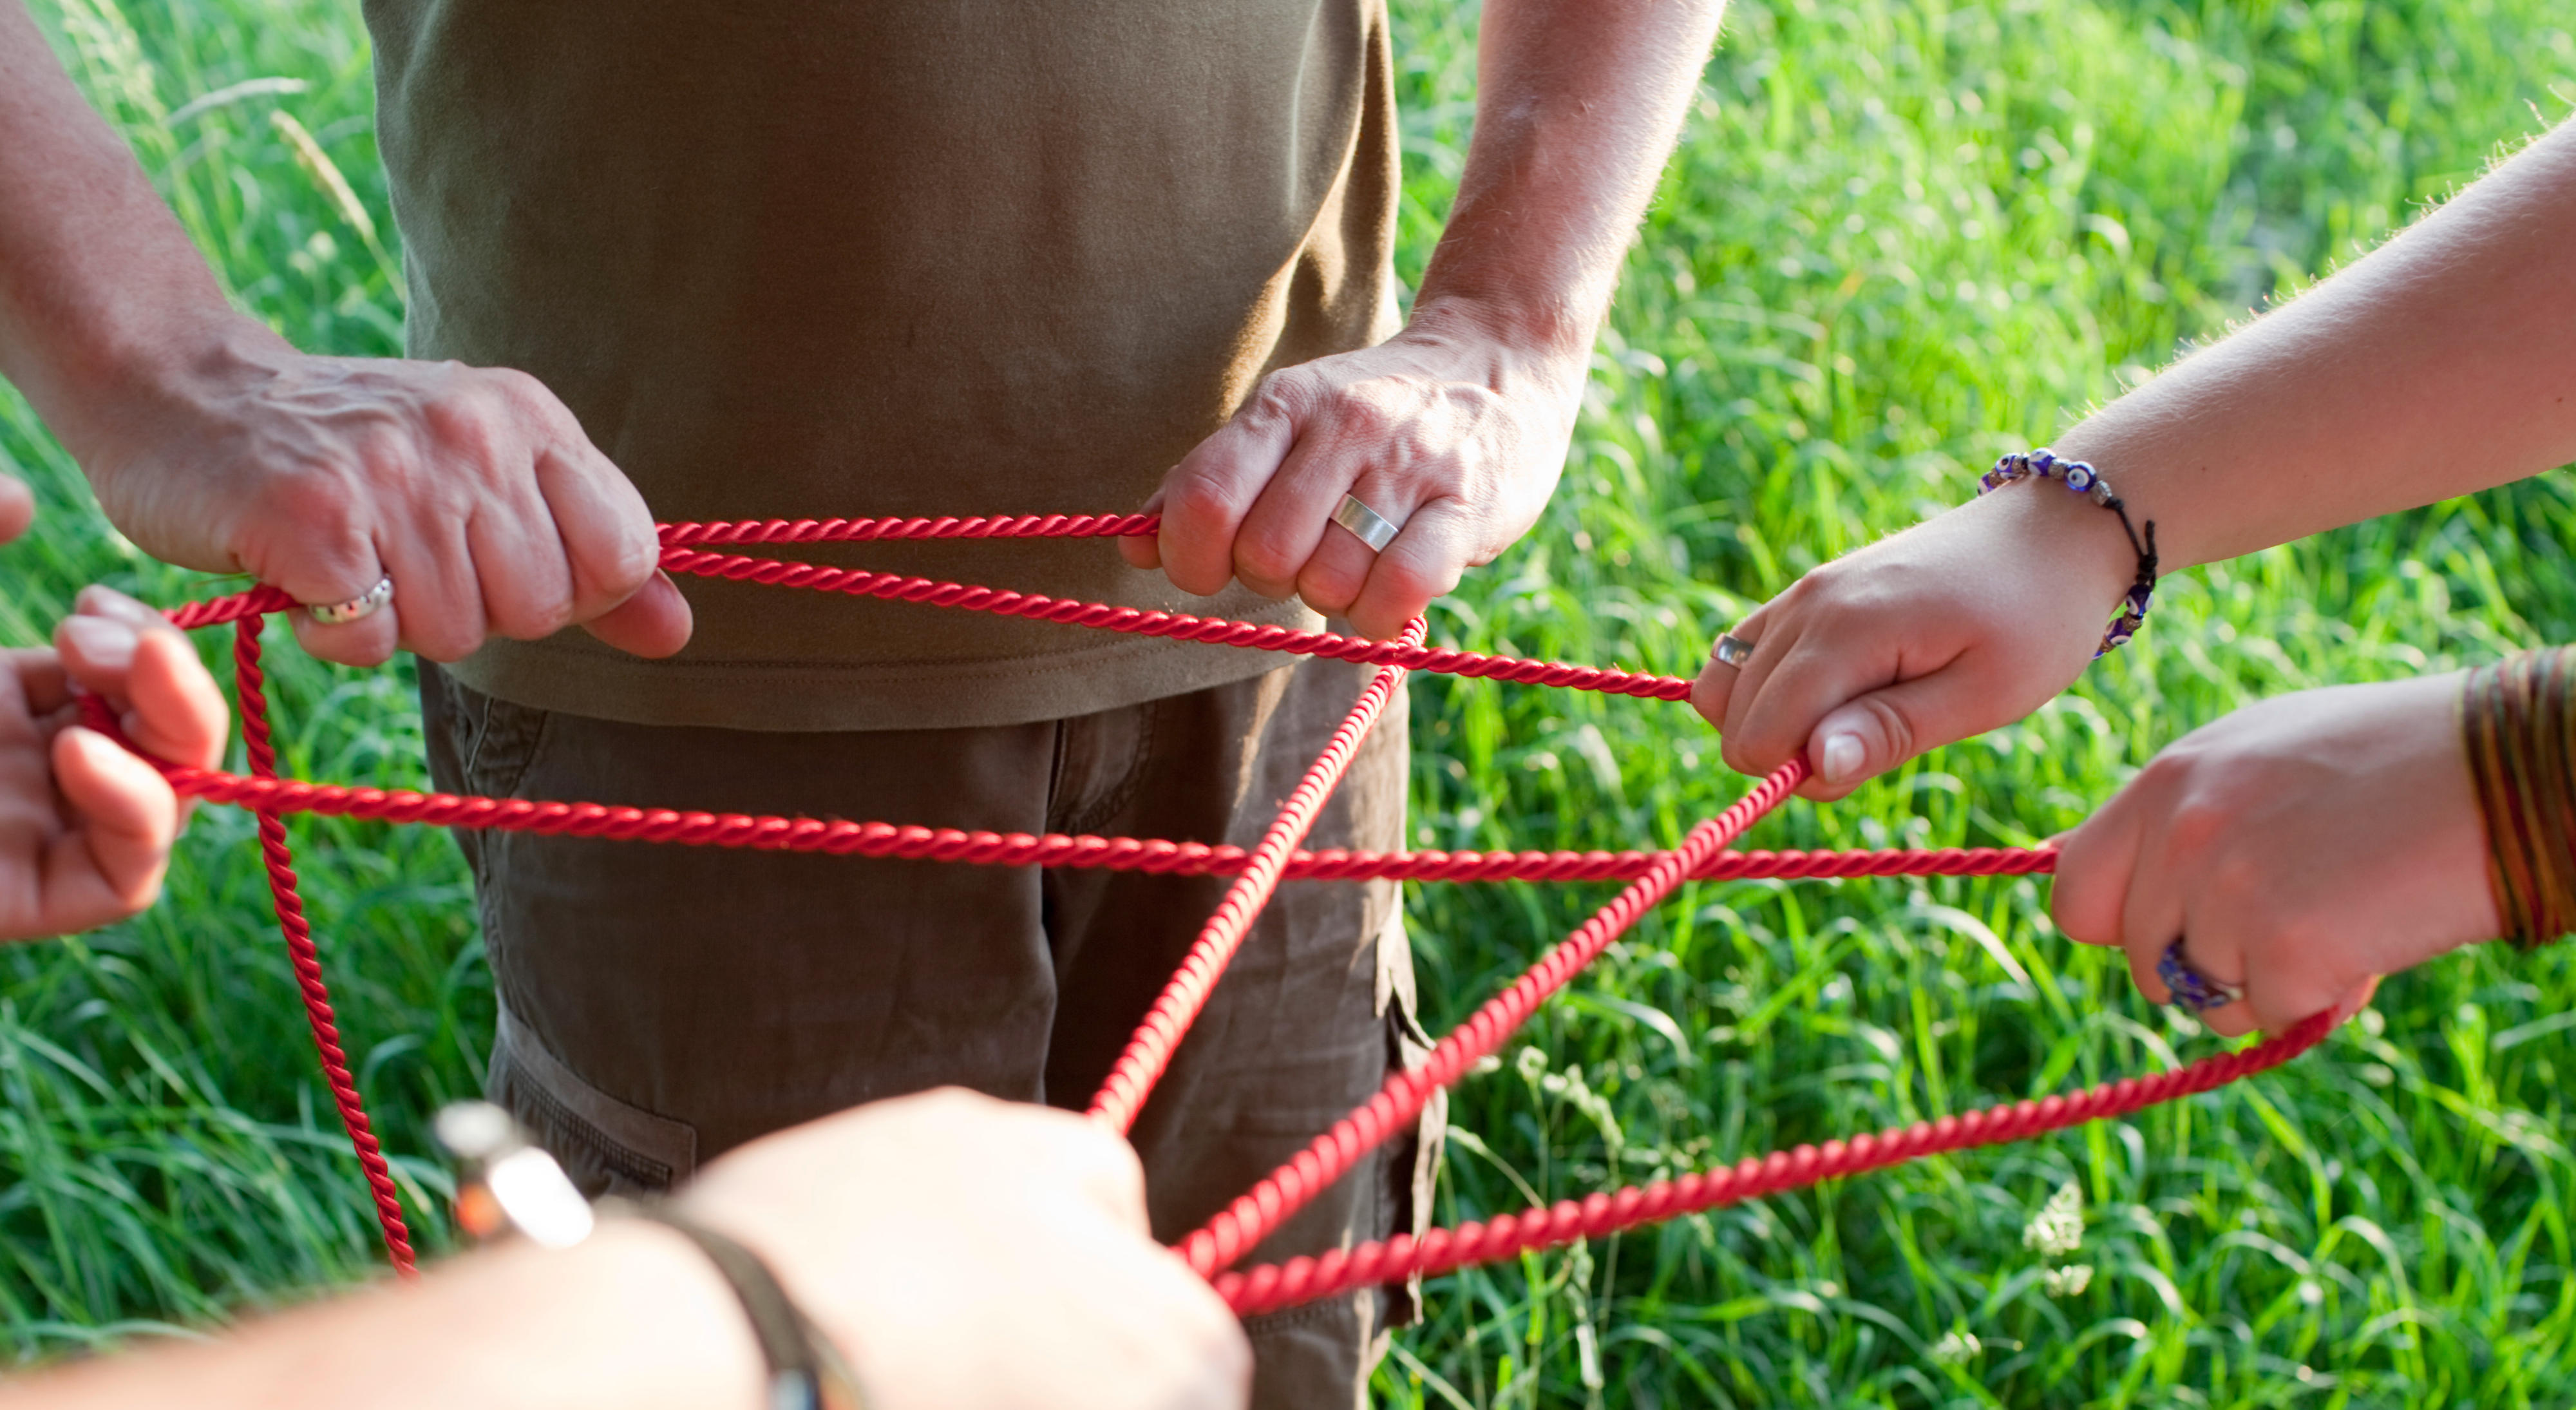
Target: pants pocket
[1412, 1168]
[607, 1146]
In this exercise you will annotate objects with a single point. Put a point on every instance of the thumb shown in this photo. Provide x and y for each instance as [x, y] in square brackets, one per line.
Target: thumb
[654, 623]
[1144, 550]
[1870, 734]
[17, 508]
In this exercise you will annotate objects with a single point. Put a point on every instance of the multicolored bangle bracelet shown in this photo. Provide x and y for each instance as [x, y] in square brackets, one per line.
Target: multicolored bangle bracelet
[2083, 479]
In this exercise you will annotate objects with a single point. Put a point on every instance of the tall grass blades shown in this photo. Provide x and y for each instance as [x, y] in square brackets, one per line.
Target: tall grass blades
[1897, 238]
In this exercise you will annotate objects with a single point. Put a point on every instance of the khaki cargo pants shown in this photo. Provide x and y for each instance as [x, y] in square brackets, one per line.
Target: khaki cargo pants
[661, 1004]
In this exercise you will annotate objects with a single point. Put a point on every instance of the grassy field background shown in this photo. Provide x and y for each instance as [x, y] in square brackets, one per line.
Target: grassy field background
[1898, 238]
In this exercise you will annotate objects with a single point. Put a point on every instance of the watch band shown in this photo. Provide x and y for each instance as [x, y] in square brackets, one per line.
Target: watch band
[507, 1184]
[805, 1371]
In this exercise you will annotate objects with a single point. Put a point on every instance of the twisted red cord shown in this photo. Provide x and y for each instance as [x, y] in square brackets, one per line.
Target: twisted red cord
[1652, 875]
[1180, 626]
[1283, 1192]
[1131, 1079]
[251, 683]
[1276, 1285]
[1152, 855]
[1005, 526]
[679, 557]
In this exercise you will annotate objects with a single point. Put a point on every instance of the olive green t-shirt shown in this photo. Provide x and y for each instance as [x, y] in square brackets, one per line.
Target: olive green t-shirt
[891, 257]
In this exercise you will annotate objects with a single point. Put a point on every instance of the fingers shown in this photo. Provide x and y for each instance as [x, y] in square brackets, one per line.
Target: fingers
[1713, 693]
[611, 548]
[520, 562]
[108, 866]
[370, 640]
[17, 508]
[1422, 563]
[654, 623]
[1142, 551]
[1866, 737]
[177, 712]
[2094, 864]
[1207, 495]
[1102, 1168]
[117, 648]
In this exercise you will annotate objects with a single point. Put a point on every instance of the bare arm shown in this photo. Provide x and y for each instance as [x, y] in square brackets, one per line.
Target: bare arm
[1457, 428]
[2441, 363]
[965, 1253]
[96, 277]
[214, 444]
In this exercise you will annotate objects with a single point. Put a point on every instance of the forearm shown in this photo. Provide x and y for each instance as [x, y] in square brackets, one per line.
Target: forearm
[634, 1319]
[2440, 364]
[1577, 106]
[97, 280]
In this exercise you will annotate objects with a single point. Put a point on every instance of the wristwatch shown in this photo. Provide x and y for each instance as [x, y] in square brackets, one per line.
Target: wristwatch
[508, 1184]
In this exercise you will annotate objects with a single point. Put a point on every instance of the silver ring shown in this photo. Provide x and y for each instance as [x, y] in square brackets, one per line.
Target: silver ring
[2192, 989]
[1732, 650]
[1373, 528]
[356, 609]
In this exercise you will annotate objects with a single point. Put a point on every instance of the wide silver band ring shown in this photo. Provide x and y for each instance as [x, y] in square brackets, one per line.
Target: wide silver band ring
[1732, 650]
[2192, 989]
[1373, 528]
[356, 609]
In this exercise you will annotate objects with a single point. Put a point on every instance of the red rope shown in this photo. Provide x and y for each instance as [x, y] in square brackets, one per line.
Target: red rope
[1286, 1190]
[1652, 876]
[1131, 1079]
[1007, 526]
[1152, 855]
[307, 960]
[1179, 626]
[1276, 1285]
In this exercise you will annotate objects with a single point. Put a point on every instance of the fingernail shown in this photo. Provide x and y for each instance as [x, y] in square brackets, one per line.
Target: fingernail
[1843, 756]
[101, 641]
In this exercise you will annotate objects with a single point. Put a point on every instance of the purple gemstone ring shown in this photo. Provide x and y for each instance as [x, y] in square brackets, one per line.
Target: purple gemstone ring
[2192, 989]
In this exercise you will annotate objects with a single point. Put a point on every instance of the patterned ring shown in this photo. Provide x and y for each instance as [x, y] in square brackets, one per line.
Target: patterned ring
[2192, 989]
[1732, 650]
[1373, 528]
[356, 609]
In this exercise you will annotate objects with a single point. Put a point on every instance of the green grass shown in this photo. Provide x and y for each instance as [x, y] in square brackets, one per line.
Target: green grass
[1897, 238]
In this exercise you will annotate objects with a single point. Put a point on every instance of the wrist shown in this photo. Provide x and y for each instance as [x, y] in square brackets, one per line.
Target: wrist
[131, 382]
[1547, 331]
[2084, 544]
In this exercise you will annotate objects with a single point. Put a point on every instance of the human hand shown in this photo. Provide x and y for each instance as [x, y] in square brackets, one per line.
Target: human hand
[472, 488]
[1452, 431]
[86, 827]
[970, 1254]
[2305, 845]
[1969, 620]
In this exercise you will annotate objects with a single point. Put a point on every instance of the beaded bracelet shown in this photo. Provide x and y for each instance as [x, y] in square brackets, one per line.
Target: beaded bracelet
[2083, 479]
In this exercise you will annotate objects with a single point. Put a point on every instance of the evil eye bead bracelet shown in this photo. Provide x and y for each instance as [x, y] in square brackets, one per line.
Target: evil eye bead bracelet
[2083, 479]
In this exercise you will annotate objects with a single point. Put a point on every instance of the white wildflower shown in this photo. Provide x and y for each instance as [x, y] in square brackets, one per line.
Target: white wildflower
[1955, 1348]
[2069, 1281]
[2058, 1229]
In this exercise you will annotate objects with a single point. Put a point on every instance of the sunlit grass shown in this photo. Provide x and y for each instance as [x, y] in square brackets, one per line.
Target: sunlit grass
[1897, 238]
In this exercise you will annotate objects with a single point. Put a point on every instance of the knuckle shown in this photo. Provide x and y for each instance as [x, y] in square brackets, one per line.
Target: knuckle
[2196, 827]
[470, 425]
[1360, 413]
[312, 508]
[1896, 735]
[1413, 583]
[1281, 395]
[1262, 558]
[1197, 498]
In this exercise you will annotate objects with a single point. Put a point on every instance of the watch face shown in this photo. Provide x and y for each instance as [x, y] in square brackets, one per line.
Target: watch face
[538, 1198]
